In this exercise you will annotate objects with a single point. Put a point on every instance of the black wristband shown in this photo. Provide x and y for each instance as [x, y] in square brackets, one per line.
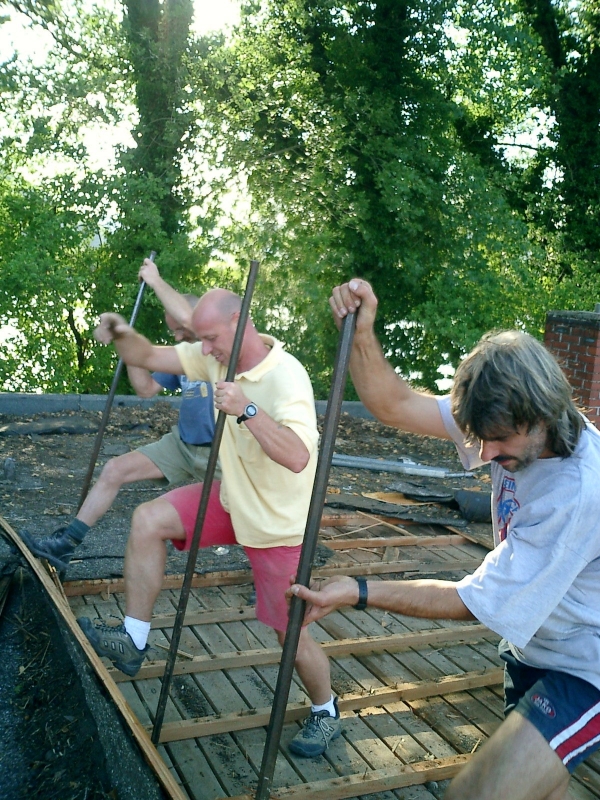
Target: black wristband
[362, 594]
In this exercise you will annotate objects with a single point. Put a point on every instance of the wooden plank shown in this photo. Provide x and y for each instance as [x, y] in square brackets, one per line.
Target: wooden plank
[254, 692]
[206, 617]
[479, 533]
[341, 520]
[396, 523]
[590, 777]
[258, 686]
[117, 585]
[372, 781]
[107, 586]
[396, 541]
[333, 649]
[469, 564]
[257, 718]
[137, 729]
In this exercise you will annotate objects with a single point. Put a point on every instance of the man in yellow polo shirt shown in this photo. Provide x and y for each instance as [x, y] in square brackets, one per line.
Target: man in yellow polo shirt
[268, 459]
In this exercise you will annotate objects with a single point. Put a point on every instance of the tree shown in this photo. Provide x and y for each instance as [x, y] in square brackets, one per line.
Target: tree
[344, 118]
[447, 152]
[100, 69]
[547, 52]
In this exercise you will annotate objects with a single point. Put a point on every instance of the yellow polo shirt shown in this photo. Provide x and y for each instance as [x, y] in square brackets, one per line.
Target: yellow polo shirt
[268, 503]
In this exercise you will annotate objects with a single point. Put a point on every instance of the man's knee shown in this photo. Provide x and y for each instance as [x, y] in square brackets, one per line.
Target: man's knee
[308, 648]
[129, 467]
[156, 520]
[116, 471]
[300, 650]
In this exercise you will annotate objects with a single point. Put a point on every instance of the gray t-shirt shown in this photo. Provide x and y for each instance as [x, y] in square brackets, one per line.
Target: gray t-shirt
[540, 587]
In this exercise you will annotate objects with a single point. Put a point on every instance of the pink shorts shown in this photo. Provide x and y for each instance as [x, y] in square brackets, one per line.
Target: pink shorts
[272, 567]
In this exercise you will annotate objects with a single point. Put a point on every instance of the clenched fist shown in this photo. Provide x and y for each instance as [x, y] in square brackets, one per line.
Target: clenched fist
[112, 326]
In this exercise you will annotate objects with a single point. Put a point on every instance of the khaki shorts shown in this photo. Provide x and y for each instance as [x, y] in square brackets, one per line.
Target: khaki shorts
[179, 462]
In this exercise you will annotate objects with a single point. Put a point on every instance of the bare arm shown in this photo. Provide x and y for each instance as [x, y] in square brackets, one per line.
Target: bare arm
[135, 349]
[387, 396]
[429, 599]
[143, 382]
[280, 443]
[174, 303]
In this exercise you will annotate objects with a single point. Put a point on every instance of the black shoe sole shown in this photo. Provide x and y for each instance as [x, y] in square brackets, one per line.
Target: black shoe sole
[58, 563]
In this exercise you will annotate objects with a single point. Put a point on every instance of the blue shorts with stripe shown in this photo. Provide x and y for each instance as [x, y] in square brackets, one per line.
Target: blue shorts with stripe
[563, 708]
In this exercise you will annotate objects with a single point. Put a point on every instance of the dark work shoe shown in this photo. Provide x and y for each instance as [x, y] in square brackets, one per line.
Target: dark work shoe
[318, 730]
[115, 643]
[58, 548]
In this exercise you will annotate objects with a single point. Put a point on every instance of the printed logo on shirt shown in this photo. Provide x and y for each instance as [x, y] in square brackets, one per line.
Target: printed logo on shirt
[544, 705]
[191, 388]
[507, 505]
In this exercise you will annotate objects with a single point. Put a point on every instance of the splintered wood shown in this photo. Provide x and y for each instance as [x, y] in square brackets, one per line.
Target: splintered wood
[417, 697]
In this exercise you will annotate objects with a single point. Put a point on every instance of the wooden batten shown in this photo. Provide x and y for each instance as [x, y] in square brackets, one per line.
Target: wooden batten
[334, 649]
[395, 541]
[258, 718]
[115, 585]
[377, 780]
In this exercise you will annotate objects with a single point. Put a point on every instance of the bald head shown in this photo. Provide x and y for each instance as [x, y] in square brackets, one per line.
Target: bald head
[219, 304]
[215, 320]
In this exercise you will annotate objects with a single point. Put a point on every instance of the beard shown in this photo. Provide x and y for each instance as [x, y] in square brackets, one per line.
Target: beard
[533, 450]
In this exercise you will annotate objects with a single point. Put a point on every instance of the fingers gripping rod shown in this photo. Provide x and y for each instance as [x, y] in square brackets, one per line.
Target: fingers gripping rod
[109, 400]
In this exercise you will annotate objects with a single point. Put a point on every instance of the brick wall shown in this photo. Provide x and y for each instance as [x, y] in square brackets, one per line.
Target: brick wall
[574, 338]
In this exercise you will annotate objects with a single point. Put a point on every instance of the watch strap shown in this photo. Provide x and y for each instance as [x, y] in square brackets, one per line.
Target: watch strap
[363, 594]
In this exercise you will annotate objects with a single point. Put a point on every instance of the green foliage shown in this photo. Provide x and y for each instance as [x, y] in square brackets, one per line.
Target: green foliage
[74, 237]
[46, 276]
[347, 123]
[447, 152]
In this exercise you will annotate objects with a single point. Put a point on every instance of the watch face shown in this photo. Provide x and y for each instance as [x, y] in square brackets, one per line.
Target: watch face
[251, 410]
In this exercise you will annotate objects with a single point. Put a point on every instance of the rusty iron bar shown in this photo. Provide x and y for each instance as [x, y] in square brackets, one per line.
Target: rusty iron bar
[202, 509]
[309, 546]
[109, 400]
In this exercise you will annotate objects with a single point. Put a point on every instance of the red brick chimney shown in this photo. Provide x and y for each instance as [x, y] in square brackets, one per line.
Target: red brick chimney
[574, 338]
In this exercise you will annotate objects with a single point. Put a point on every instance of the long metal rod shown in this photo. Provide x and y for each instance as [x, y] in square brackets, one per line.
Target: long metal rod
[109, 400]
[309, 546]
[202, 508]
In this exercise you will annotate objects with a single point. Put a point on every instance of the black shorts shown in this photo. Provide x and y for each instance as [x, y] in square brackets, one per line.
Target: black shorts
[563, 708]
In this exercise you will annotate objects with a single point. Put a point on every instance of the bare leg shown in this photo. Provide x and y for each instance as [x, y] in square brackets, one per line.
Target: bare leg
[312, 665]
[516, 763]
[130, 467]
[152, 524]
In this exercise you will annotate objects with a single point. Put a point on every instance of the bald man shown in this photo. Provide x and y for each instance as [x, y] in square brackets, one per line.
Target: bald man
[268, 459]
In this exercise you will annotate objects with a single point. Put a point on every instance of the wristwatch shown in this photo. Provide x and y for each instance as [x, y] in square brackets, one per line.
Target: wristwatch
[250, 411]
[362, 594]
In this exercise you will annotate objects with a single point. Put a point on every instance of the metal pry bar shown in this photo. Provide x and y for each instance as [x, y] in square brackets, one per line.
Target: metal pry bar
[109, 400]
[309, 546]
[202, 508]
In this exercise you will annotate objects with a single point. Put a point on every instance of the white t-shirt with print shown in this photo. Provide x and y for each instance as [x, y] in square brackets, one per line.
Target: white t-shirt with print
[540, 586]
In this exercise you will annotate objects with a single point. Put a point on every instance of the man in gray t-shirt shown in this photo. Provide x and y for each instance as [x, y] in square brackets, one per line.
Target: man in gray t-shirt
[539, 588]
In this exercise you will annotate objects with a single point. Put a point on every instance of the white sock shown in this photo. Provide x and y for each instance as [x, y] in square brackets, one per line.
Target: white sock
[138, 630]
[329, 707]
